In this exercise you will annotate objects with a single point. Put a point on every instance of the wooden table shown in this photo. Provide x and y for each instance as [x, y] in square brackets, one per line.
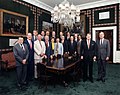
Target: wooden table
[61, 65]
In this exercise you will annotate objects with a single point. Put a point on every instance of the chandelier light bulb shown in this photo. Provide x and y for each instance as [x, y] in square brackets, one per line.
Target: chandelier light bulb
[65, 14]
[56, 8]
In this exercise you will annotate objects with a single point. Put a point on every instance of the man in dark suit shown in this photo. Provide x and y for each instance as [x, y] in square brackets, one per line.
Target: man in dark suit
[65, 45]
[79, 45]
[72, 46]
[30, 65]
[88, 54]
[35, 33]
[21, 54]
[48, 45]
[103, 56]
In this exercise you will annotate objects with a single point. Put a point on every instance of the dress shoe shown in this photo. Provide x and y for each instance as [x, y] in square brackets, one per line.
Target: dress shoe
[84, 80]
[65, 84]
[24, 83]
[98, 79]
[19, 86]
[103, 80]
[91, 80]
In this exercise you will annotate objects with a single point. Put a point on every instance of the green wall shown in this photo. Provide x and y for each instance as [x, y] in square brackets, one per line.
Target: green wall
[12, 6]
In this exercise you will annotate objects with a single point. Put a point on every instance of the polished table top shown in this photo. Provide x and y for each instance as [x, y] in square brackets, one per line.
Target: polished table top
[62, 64]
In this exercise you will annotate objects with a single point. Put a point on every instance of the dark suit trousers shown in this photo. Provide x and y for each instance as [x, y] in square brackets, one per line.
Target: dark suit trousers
[87, 67]
[101, 68]
[21, 73]
[30, 70]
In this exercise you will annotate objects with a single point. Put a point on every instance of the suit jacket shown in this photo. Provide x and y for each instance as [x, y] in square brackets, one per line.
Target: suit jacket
[48, 50]
[19, 54]
[31, 51]
[65, 46]
[78, 47]
[59, 49]
[88, 53]
[72, 48]
[34, 38]
[38, 49]
[104, 49]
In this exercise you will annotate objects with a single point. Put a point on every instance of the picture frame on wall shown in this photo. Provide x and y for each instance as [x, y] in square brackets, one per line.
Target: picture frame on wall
[13, 24]
[104, 16]
[47, 26]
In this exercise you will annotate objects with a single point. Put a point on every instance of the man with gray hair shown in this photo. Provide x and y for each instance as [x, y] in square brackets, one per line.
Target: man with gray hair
[103, 56]
[30, 66]
[39, 52]
[21, 54]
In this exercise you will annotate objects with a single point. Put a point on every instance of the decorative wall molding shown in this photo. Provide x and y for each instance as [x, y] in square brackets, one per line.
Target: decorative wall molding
[97, 4]
[40, 4]
[0, 21]
[32, 8]
[104, 8]
[119, 30]
[88, 14]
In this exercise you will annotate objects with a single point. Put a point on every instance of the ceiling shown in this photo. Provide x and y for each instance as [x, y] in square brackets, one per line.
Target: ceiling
[52, 3]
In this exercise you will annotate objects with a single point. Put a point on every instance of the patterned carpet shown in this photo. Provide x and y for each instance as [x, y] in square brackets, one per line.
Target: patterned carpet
[110, 87]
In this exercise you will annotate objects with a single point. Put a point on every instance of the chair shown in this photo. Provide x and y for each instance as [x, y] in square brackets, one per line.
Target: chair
[43, 75]
[3, 65]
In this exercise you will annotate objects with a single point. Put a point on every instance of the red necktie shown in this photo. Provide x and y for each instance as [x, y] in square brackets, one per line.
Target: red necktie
[30, 44]
[47, 44]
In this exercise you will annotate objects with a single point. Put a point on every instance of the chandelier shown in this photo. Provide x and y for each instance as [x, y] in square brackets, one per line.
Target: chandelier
[65, 14]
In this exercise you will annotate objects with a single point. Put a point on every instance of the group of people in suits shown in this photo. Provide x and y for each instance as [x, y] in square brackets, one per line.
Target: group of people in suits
[30, 52]
[92, 51]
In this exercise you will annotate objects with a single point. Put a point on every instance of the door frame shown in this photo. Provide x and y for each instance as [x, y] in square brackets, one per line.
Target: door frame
[114, 28]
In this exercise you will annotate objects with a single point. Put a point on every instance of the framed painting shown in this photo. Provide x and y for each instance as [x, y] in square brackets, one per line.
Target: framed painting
[13, 24]
[47, 26]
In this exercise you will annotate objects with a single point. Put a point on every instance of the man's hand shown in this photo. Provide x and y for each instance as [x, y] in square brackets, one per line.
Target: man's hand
[24, 61]
[107, 58]
[81, 57]
[51, 57]
[94, 58]
[45, 56]
[42, 54]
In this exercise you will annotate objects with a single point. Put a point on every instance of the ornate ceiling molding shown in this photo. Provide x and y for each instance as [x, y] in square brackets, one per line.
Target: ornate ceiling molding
[40, 4]
[97, 4]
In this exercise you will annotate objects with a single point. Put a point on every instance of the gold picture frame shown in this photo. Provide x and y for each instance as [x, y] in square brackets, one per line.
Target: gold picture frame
[13, 24]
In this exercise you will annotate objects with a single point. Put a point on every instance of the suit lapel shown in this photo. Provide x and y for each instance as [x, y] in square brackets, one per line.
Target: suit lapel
[19, 47]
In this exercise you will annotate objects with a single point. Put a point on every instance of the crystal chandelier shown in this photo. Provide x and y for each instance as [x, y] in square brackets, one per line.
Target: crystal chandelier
[65, 14]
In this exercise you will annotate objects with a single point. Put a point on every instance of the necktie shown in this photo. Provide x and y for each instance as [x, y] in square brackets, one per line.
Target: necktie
[72, 43]
[100, 41]
[57, 48]
[30, 44]
[88, 43]
[47, 44]
[40, 44]
[22, 47]
[35, 38]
